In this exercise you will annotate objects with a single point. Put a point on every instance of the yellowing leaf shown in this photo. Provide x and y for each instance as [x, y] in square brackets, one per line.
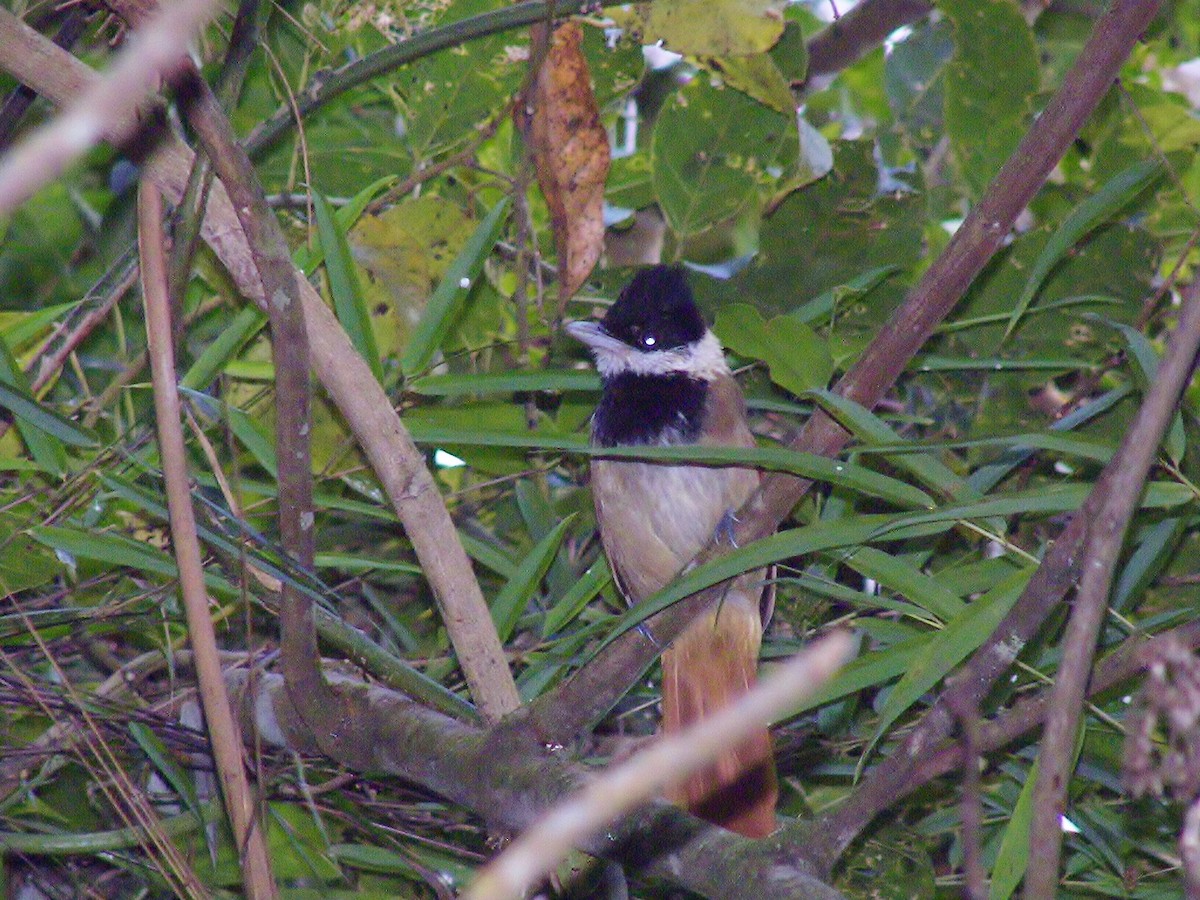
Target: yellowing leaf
[714, 27]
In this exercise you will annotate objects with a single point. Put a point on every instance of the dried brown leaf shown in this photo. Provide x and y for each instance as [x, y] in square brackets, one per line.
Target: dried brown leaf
[570, 156]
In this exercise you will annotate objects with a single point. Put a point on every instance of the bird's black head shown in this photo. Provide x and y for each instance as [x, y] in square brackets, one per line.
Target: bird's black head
[654, 329]
[656, 311]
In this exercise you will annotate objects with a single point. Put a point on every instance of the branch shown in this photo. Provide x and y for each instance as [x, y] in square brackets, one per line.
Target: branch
[1118, 496]
[858, 32]
[511, 783]
[289, 350]
[109, 108]
[560, 715]
[663, 765]
[398, 464]
[328, 84]
[1029, 712]
[223, 731]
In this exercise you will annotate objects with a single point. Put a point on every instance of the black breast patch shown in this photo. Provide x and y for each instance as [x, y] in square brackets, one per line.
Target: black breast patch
[646, 409]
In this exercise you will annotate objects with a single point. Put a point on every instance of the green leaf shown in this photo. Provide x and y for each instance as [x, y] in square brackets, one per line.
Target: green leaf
[572, 603]
[1092, 212]
[808, 465]
[355, 564]
[713, 27]
[50, 423]
[44, 432]
[307, 260]
[118, 551]
[793, 542]
[868, 671]
[451, 292]
[504, 383]
[347, 293]
[229, 343]
[796, 356]
[514, 597]
[907, 580]
[989, 84]
[1146, 357]
[1049, 499]
[176, 777]
[872, 430]
[1013, 856]
[712, 150]
[961, 636]
[756, 76]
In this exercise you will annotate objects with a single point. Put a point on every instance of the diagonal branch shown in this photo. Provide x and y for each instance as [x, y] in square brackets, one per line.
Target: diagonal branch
[1117, 494]
[110, 105]
[560, 715]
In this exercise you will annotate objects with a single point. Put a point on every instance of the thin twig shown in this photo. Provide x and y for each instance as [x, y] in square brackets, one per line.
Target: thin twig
[224, 733]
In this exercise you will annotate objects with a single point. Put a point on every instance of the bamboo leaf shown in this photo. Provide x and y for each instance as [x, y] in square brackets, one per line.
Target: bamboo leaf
[348, 300]
[1093, 211]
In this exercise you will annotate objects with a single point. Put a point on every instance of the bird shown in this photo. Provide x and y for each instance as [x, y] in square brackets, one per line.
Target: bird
[665, 382]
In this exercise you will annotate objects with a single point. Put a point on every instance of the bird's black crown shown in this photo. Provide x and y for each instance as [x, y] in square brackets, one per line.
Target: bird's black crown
[656, 311]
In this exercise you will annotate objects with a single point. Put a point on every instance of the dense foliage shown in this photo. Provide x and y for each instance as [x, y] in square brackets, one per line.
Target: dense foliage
[411, 199]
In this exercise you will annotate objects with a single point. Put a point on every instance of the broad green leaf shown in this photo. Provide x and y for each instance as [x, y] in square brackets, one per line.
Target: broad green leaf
[713, 27]
[348, 300]
[1089, 214]
[451, 292]
[798, 359]
[713, 148]
[827, 236]
[514, 597]
[757, 76]
[989, 84]
[954, 643]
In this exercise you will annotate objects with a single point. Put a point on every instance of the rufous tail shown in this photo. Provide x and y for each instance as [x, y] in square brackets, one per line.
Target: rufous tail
[705, 669]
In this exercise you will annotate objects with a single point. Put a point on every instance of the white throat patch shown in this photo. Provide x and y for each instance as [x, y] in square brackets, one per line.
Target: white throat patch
[704, 360]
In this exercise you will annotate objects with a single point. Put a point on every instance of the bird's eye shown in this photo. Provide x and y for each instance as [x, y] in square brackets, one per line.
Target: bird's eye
[649, 340]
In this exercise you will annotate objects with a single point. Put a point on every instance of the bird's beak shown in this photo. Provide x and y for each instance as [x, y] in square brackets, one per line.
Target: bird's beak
[597, 339]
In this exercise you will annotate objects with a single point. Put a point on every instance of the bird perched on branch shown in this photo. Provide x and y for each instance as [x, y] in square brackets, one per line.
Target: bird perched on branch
[666, 382]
